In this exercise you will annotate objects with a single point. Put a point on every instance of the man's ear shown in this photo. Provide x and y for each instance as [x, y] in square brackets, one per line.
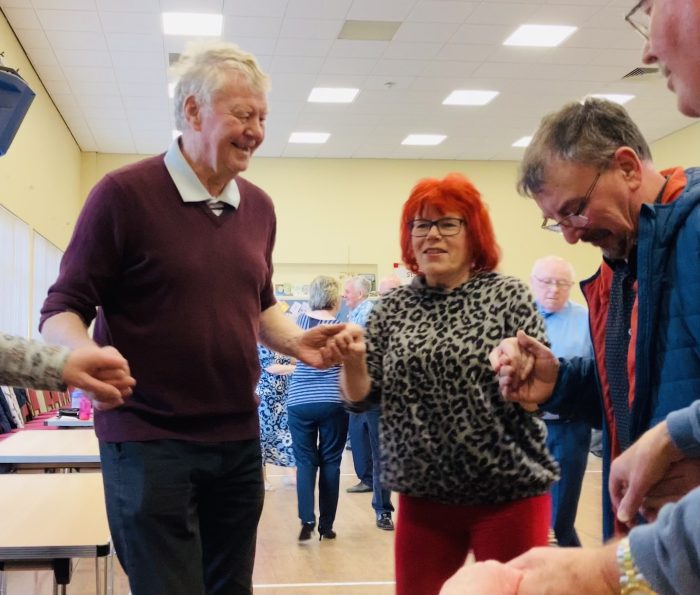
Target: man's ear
[192, 111]
[630, 165]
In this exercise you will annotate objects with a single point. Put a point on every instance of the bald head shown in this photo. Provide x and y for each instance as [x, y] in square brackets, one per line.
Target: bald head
[551, 281]
[388, 283]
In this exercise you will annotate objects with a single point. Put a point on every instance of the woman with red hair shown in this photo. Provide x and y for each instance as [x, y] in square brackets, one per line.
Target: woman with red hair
[471, 469]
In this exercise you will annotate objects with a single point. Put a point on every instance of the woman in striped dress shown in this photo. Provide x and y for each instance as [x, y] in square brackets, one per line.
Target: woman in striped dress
[318, 420]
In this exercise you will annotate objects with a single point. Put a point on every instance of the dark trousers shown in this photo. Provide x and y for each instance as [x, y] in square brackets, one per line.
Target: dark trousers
[361, 449]
[318, 432]
[184, 515]
[381, 497]
[569, 443]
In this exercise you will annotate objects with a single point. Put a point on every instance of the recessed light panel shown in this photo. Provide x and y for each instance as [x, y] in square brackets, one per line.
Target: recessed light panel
[423, 139]
[192, 23]
[465, 97]
[620, 98]
[522, 142]
[544, 36]
[317, 138]
[332, 95]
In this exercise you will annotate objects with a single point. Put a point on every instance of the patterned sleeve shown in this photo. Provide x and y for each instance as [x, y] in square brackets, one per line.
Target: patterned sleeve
[521, 312]
[31, 364]
[376, 339]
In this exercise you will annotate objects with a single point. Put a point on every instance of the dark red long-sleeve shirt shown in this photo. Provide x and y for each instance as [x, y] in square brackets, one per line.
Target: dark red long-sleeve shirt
[180, 292]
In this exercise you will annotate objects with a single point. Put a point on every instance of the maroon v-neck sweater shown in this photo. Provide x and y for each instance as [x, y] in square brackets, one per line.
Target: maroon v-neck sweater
[180, 292]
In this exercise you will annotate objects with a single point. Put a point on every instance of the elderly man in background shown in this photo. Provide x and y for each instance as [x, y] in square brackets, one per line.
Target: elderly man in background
[568, 439]
[176, 251]
[364, 425]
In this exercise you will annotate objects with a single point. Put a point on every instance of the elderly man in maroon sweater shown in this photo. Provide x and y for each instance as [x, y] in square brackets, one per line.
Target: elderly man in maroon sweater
[176, 252]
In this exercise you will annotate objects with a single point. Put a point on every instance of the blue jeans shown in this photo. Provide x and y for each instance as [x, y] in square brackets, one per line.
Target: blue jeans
[318, 432]
[381, 497]
[361, 448]
[184, 515]
[569, 443]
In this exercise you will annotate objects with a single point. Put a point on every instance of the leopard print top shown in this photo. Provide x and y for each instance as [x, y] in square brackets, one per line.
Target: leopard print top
[446, 433]
[31, 364]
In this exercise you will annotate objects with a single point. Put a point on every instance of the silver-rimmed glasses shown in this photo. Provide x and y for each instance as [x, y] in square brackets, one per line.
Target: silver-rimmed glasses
[560, 283]
[577, 219]
[638, 18]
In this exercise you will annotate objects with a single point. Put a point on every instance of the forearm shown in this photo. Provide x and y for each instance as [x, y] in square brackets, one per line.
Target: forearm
[684, 429]
[31, 363]
[279, 333]
[66, 329]
[354, 380]
[667, 552]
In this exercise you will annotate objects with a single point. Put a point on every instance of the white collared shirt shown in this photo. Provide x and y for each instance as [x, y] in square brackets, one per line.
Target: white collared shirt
[191, 188]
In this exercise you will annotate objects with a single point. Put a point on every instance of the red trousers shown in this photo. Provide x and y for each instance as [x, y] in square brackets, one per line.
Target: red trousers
[433, 540]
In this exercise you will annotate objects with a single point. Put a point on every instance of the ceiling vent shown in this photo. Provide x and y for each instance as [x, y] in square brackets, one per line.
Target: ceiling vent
[641, 71]
[369, 30]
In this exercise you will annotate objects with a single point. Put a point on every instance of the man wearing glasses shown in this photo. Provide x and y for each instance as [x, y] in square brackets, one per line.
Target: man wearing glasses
[590, 172]
[569, 440]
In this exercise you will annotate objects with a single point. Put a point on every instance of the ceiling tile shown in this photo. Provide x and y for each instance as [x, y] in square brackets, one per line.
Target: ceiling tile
[295, 64]
[350, 48]
[493, 35]
[441, 12]
[22, 18]
[200, 6]
[49, 73]
[129, 5]
[133, 42]
[238, 26]
[303, 47]
[69, 20]
[15, 4]
[146, 23]
[311, 28]
[89, 74]
[32, 38]
[255, 8]
[76, 40]
[497, 13]
[258, 46]
[43, 57]
[400, 67]
[100, 59]
[352, 66]
[426, 32]
[64, 4]
[318, 9]
[399, 50]
[386, 10]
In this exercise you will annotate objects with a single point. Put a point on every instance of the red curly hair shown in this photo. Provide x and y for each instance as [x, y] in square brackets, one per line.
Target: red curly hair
[454, 193]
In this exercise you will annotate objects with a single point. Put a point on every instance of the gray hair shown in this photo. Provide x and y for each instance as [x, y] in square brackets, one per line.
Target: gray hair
[552, 259]
[361, 284]
[588, 133]
[204, 68]
[324, 293]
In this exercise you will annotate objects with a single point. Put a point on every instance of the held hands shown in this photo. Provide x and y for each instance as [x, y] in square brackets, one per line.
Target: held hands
[313, 347]
[349, 346]
[527, 370]
[483, 578]
[101, 371]
[645, 464]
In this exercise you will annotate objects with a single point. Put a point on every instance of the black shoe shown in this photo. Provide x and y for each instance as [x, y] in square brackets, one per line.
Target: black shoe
[306, 530]
[384, 521]
[326, 534]
[360, 488]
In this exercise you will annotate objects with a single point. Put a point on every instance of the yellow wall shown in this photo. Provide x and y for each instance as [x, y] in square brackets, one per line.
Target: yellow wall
[681, 148]
[40, 174]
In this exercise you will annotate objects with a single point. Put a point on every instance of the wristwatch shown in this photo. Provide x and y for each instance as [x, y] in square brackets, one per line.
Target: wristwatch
[632, 581]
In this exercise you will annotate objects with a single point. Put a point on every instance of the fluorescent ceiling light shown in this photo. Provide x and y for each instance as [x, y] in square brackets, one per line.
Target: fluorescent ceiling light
[464, 97]
[522, 142]
[176, 133]
[545, 36]
[171, 90]
[332, 95]
[191, 23]
[309, 137]
[620, 98]
[423, 139]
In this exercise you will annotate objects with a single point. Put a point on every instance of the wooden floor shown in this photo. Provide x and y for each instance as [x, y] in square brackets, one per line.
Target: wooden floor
[358, 562]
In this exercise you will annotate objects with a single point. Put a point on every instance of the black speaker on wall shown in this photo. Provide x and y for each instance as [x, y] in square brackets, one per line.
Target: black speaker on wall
[15, 99]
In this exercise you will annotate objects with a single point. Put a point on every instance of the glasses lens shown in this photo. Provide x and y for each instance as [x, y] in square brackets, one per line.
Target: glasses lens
[449, 226]
[420, 227]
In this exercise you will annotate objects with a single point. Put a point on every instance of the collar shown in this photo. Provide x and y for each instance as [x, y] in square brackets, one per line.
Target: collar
[188, 184]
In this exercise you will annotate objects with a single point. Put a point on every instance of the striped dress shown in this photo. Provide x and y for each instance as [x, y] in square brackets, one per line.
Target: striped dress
[310, 385]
